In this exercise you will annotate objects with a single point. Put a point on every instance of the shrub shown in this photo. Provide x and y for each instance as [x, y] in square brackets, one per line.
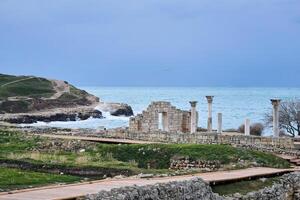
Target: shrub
[241, 129]
[255, 129]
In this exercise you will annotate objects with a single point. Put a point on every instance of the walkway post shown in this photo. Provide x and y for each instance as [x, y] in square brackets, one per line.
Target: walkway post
[194, 124]
[275, 103]
[247, 127]
[209, 118]
[219, 130]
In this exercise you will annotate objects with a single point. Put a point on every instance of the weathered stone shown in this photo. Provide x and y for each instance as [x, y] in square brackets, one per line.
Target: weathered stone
[116, 109]
[173, 120]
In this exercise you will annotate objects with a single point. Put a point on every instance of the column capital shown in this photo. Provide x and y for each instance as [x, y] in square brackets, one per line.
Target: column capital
[209, 99]
[193, 103]
[275, 102]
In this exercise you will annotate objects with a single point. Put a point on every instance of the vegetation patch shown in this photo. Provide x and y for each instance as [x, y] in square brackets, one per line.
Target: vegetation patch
[243, 187]
[11, 86]
[159, 155]
[94, 160]
[11, 179]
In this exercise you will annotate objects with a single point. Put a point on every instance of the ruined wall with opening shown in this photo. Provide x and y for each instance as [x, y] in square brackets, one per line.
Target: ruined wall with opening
[161, 116]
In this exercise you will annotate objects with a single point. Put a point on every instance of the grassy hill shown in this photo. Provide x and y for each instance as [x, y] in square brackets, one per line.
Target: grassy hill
[25, 86]
[27, 93]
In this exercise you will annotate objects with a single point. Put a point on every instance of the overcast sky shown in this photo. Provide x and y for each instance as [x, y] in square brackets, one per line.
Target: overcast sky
[153, 42]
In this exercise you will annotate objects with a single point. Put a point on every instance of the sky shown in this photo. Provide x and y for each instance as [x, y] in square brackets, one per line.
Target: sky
[239, 43]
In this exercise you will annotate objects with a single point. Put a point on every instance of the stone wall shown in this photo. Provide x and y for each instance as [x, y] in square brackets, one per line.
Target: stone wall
[185, 163]
[287, 189]
[192, 190]
[201, 138]
[197, 189]
[173, 119]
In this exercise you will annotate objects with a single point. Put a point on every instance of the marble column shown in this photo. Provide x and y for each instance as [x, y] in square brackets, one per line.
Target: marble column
[275, 103]
[219, 123]
[209, 118]
[247, 127]
[193, 116]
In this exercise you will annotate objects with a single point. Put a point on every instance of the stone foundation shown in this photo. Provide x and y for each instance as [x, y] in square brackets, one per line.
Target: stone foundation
[201, 138]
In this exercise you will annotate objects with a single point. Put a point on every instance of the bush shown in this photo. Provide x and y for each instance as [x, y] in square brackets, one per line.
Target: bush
[241, 129]
[255, 129]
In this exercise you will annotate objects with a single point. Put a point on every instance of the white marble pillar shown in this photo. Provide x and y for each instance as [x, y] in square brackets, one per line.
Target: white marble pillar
[209, 117]
[275, 103]
[193, 116]
[219, 123]
[247, 127]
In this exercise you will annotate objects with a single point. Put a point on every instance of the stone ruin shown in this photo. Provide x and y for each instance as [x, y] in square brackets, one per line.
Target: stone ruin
[161, 115]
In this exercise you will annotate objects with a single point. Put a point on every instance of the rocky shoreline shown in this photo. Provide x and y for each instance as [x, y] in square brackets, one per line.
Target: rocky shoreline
[48, 117]
[55, 100]
[68, 114]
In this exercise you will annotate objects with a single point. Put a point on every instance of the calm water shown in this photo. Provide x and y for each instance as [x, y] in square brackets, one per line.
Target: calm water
[236, 104]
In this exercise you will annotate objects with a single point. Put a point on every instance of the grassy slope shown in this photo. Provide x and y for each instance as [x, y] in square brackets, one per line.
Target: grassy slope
[35, 87]
[159, 155]
[16, 146]
[15, 179]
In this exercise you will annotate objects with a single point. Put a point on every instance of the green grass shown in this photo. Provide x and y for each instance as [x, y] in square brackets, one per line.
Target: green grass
[159, 155]
[15, 146]
[11, 179]
[9, 78]
[243, 187]
[35, 87]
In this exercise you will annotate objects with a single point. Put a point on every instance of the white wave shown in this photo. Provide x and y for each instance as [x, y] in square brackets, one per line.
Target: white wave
[108, 121]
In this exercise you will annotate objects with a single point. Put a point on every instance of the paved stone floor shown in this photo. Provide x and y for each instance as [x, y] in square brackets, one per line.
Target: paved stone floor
[75, 190]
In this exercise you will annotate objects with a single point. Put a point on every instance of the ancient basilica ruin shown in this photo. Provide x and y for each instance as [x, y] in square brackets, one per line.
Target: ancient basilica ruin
[162, 116]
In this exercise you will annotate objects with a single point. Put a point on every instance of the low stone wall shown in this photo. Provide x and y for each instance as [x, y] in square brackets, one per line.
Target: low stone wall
[287, 189]
[201, 138]
[270, 149]
[205, 165]
[197, 189]
[192, 190]
[279, 145]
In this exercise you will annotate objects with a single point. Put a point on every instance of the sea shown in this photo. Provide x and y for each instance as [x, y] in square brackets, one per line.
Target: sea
[235, 103]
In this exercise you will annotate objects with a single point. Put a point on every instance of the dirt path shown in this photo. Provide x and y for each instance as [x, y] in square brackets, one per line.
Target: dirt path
[97, 139]
[60, 88]
[16, 81]
[76, 190]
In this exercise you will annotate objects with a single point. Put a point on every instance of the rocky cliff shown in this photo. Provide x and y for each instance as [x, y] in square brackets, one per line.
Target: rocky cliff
[26, 99]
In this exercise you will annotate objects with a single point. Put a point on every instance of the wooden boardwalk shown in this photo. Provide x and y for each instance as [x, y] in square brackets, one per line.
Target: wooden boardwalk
[81, 189]
[97, 139]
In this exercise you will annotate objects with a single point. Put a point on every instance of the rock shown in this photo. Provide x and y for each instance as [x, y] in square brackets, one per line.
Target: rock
[145, 176]
[116, 109]
[51, 116]
[88, 114]
[119, 177]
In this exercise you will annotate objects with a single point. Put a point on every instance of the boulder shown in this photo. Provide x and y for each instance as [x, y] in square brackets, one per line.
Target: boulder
[116, 109]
